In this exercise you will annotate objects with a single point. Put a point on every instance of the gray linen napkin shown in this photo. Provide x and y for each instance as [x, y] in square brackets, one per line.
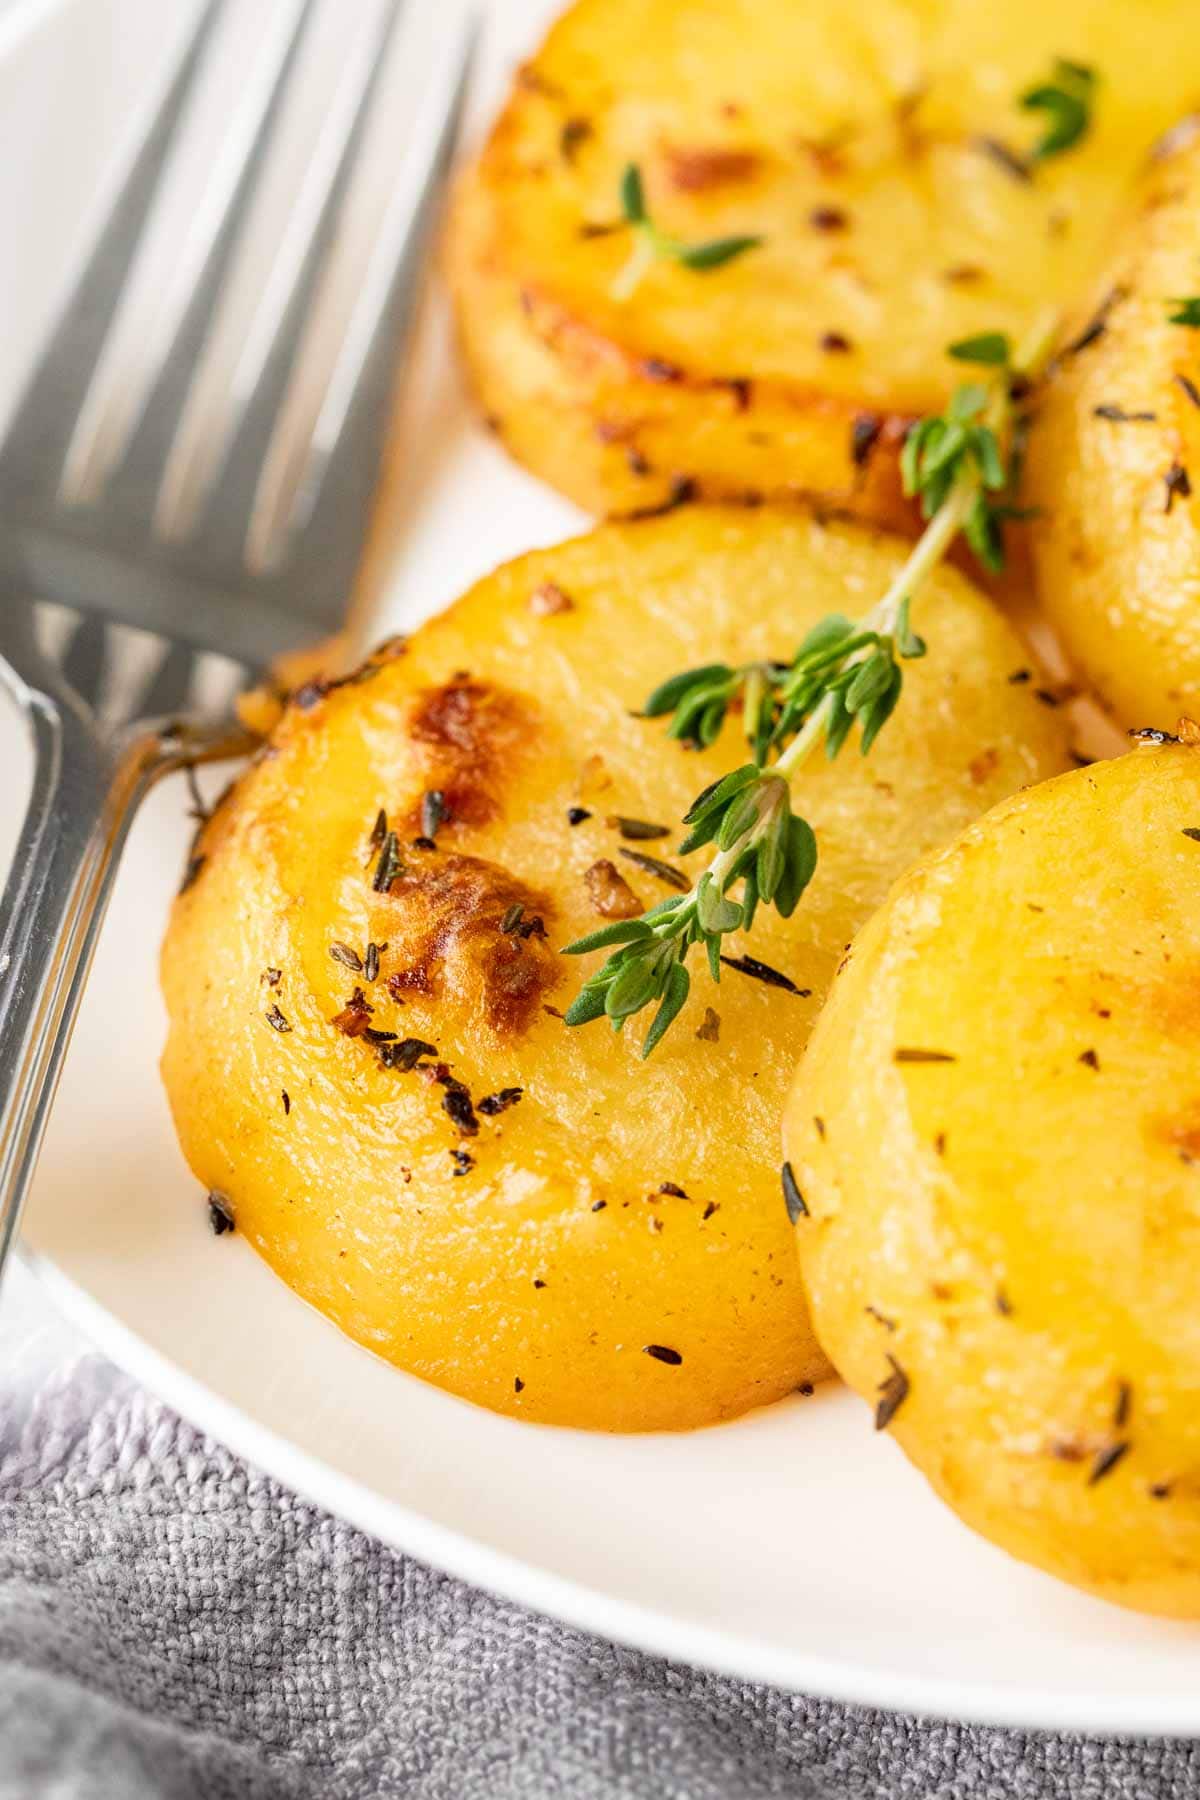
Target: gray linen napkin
[173, 1623]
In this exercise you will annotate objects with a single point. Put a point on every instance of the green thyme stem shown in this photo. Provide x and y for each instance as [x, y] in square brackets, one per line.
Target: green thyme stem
[641, 260]
[843, 674]
[932, 544]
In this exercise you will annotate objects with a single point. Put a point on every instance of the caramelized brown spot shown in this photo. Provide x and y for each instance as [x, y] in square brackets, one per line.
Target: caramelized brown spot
[443, 924]
[549, 599]
[355, 1016]
[610, 893]
[983, 765]
[692, 171]
[1184, 1135]
[471, 735]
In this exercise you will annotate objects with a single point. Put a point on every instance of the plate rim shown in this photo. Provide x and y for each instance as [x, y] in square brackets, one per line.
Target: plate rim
[577, 1604]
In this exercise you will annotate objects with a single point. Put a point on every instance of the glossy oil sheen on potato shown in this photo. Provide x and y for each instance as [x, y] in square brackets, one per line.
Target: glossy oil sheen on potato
[1112, 460]
[534, 1277]
[1004, 1190]
[861, 145]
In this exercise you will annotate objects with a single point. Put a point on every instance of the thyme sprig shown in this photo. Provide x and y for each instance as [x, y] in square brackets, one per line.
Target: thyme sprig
[652, 245]
[844, 675]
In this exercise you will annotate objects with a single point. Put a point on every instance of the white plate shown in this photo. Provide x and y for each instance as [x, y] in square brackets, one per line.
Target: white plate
[793, 1546]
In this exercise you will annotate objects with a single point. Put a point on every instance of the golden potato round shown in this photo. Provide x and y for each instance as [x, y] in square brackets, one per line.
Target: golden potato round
[601, 1206]
[996, 1128]
[872, 152]
[1116, 541]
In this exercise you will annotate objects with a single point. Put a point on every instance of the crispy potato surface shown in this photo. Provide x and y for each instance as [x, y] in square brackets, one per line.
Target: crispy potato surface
[872, 151]
[603, 1210]
[996, 1127]
[1112, 460]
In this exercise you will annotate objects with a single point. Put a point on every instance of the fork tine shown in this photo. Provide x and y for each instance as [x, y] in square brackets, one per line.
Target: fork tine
[86, 660]
[124, 402]
[223, 430]
[31, 457]
[293, 497]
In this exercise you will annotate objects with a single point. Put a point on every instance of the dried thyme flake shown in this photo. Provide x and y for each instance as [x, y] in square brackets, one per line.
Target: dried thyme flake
[663, 1353]
[864, 435]
[276, 1020]
[1106, 1461]
[761, 971]
[456, 1104]
[913, 1054]
[389, 865]
[434, 812]
[662, 871]
[1004, 157]
[491, 1104]
[349, 958]
[405, 1054]
[893, 1392]
[793, 1199]
[636, 828]
[220, 1213]
[1178, 485]
[709, 1030]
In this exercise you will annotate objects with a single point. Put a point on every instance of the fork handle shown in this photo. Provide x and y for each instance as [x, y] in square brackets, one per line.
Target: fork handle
[86, 790]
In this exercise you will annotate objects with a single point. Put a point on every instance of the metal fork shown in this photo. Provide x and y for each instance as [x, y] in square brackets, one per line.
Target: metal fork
[132, 546]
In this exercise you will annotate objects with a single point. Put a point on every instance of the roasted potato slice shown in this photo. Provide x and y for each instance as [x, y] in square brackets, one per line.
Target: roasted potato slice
[996, 1131]
[533, 1216]
[1116, 448]
[881, 156]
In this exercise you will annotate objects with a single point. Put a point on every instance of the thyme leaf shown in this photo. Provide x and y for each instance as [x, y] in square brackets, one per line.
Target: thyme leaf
[651, 244]
[1187, 312]
[1066, 99]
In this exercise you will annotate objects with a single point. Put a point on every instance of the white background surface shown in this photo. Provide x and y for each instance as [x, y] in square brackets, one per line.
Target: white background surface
[793, 1545]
